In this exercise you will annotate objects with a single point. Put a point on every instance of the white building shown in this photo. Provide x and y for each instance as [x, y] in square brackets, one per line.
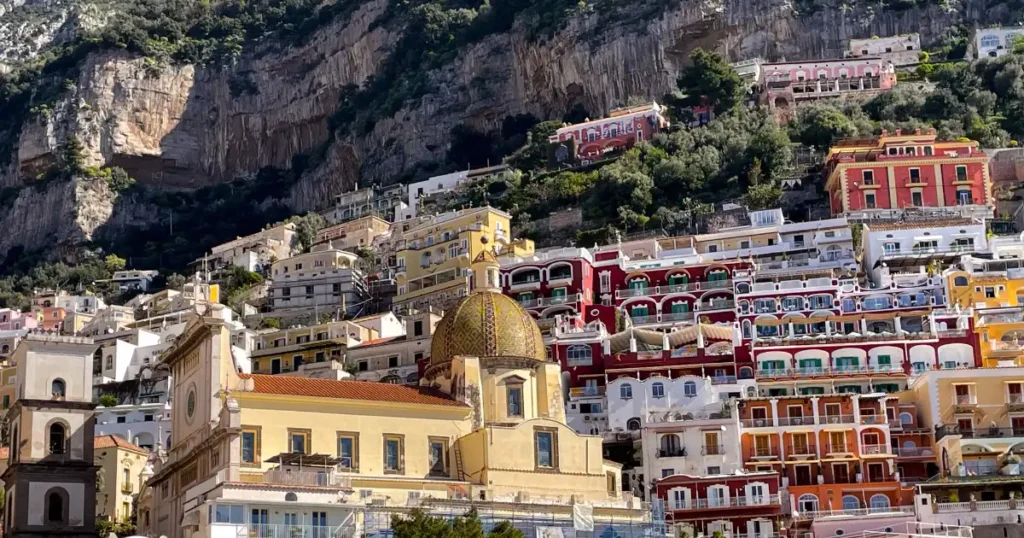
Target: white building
[446, 183]
[134, 279]
[393, 356]
[689, 425]
[148, 425]
[267, 245]
[898, 49]
[995, 42]
[323, 281]
[900, 252]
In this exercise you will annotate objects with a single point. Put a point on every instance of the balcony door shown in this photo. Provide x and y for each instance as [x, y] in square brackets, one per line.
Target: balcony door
[759, 416]
[876, 472]
[800, 445]
[803, 475]
[840, 473]
[759, 528]
[762, 446]
[1017, 423]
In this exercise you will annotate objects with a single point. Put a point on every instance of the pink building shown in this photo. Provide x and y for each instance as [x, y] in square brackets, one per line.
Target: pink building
[591, 140]
[13, 320]
[787, 82]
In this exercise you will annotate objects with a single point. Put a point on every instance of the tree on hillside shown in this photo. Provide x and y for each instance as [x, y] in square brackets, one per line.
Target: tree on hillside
[114, 262]
[710, 80]
[72, 158]
[176, 281]
[306, 227]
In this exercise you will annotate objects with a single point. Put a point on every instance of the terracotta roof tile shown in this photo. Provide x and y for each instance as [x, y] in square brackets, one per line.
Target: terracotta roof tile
[924, 224]
[379, 341]
[349, 390]
[114, 441]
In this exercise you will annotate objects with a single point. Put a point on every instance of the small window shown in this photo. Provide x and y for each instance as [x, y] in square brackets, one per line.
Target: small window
[515, 400]
[960, 281]
[915, 175]
[626, 391]
[658, 390]
[869, 200]
[916, 199]
[545, 449]
[869, 177]
[690, 389]
[57, 388]
[394, 454]
[58, 438]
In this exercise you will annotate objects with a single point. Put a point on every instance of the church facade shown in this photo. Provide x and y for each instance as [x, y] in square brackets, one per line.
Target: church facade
[255, 453]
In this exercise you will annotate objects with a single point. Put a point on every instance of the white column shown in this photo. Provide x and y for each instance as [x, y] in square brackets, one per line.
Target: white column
[856, 409]
[899, 324]
[775, 412]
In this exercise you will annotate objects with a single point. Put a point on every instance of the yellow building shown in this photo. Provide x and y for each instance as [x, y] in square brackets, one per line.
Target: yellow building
[286, 350]
[434, 256]
[487, 423]
[996, 301]
[354, 234]
[977, 414]
[118, 483]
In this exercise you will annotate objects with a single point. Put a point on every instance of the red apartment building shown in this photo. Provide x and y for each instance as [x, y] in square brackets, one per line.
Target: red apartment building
[591, 140]
[740, 506]
[883, 176]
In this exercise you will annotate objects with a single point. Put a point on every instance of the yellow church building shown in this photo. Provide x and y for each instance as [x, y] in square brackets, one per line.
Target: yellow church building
[254, 454]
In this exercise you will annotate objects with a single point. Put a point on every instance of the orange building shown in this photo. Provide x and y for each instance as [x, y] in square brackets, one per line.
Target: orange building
[51, 318]
[914, 446]
[832, 450]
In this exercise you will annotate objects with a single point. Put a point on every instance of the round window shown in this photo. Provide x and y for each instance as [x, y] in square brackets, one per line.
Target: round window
[190, 407]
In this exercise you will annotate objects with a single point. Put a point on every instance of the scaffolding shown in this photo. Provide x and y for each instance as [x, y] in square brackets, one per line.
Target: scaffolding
[532, 519]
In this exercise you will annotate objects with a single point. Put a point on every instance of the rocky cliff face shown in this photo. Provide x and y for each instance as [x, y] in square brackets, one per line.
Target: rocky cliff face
[185, 127]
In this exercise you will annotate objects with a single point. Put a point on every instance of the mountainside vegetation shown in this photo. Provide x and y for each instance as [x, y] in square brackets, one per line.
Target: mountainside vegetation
[665, 184]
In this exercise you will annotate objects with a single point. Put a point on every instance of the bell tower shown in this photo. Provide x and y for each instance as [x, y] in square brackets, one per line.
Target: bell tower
[50, 481]
[486, 270]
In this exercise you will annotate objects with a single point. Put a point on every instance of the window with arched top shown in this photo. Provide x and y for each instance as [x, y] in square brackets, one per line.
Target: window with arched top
[633, 424]
[906, 418]
[960, 281]
[669, 445]
[626, 391]
[579, 355]
[689, 389]
[808, 503]
[658, 390]
[57, 388]
[58, 436]
[879, 503]
[851, 503]
[56, 507]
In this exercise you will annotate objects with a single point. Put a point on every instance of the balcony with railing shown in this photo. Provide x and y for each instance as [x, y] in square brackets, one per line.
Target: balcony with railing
[756, 422]
[980, 433]
[873, 419]
[291, 531]
[914, 452]
[679, 452]
[762, 453]
[586, 392]
[875, 450]
[801, 450]
[665, 289]
[333, 475]
[713, 450]
[858, 512]
[714, 305]
[844, 448]
[796, 420]
[731, 502]
[837, 419]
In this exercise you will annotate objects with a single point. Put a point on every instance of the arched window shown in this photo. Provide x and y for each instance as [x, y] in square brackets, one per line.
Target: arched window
[808, 503]
[879, 503]
[658, 390]
[633, 424]
[57, 438]
[669, 445]
[626, 391]
[960, 281]
[988, 41]
[57, 388]
[689, 389]
[55, 509]
[906, 419]
[746, 372]
[850, 502]
[579, 355]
